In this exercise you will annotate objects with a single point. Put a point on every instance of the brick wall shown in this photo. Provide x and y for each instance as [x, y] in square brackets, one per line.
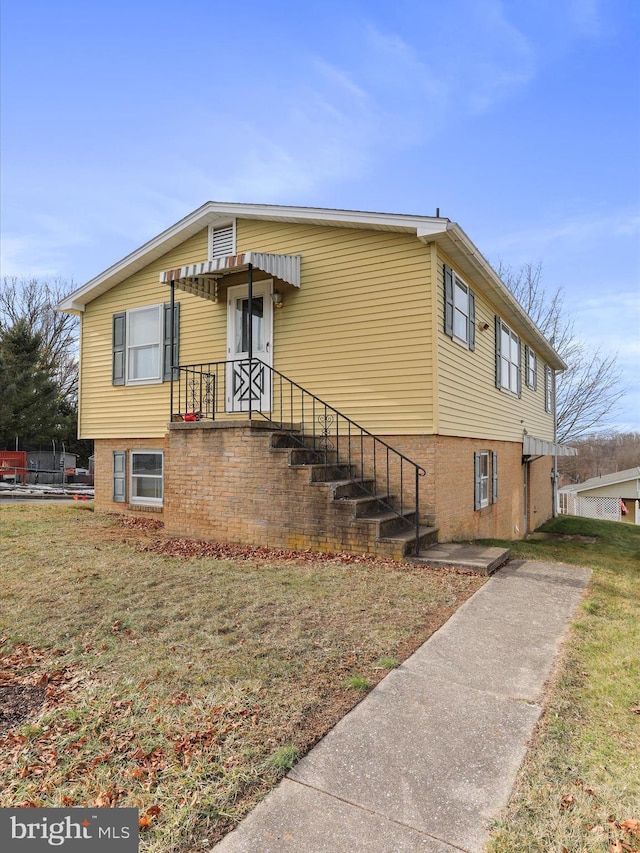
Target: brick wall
[226, 483]
[454, 474]
[103, 472]
[540, 491]
[447, 490]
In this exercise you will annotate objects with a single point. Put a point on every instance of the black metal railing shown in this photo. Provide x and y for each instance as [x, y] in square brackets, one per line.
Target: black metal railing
[252, 389]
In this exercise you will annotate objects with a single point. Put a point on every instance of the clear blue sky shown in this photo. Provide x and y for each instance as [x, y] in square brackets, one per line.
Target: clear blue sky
[519, 119]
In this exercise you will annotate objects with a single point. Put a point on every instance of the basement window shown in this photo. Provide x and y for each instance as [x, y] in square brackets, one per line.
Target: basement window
[485, 478]
[147, 477]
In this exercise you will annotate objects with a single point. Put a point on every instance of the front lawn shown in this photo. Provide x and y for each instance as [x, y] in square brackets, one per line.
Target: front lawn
[134, 672]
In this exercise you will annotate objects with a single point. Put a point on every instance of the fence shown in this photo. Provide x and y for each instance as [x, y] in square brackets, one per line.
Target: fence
[590, 506]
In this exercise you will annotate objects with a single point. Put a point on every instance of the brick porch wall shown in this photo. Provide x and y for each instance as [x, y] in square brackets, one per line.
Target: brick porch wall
[227, 484]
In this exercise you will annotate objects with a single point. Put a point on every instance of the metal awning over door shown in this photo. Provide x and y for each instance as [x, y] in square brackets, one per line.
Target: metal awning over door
[202, 278]
[532, 446]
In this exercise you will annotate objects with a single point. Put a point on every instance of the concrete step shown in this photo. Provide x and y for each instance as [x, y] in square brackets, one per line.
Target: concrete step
[306, 456]
[367, 505]
[391, 524]
[320, 473]
[283, 440]
[344, 489]
[464, 556]
[400, 545]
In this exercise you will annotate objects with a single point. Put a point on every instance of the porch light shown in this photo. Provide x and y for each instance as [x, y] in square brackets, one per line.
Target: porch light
[276, 298]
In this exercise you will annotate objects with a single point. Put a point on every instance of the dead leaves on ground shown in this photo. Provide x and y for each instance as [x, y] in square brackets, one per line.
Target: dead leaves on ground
[629, 827]
[611, 831]
[71, 743]
[188, 549]
[34, 676]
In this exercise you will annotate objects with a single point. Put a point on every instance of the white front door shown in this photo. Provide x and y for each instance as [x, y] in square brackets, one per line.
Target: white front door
[246, 385]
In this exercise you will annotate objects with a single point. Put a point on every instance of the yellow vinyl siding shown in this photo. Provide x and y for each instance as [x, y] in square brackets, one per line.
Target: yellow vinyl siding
[357, 333]
[108, 411]
[469, 404]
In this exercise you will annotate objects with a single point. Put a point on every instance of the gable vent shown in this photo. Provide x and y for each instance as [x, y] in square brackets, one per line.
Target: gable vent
[221, 241]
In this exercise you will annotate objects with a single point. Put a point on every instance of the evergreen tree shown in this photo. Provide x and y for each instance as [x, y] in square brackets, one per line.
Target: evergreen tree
[29, 398]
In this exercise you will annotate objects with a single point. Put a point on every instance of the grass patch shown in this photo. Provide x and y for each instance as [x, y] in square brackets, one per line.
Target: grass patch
[359, 682]
[388, 663]
[173, 685]
[284, 758]
[579, 788]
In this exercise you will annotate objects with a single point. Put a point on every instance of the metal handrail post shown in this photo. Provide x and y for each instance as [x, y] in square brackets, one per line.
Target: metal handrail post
[250, 332]
[173, 344]
[417, 476]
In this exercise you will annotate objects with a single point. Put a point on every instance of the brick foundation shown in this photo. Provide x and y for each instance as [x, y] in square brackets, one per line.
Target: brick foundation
[227, 483]
[447, 491]
[540, 491]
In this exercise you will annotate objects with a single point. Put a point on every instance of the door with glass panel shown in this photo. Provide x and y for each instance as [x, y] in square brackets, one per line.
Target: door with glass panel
[249, 385]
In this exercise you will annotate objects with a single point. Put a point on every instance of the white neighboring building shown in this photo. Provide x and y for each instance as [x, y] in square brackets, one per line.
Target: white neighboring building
[614, 497]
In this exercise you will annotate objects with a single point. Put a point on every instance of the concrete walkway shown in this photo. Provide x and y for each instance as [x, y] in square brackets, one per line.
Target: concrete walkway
[428, 759]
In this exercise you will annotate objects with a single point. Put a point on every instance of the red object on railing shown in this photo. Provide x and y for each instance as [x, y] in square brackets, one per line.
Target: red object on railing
[13, 463]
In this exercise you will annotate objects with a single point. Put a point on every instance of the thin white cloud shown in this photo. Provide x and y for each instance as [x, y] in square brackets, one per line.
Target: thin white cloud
[574, 231]
[612, 323]
[585, 17]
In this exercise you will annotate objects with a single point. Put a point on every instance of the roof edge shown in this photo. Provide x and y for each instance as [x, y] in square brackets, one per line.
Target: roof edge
[497, 289]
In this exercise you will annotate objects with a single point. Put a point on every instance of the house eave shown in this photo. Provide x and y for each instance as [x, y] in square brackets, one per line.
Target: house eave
[428, 229]
[218, 213]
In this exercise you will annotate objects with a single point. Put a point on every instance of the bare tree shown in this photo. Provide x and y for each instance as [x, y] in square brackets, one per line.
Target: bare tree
[34, 301]
[600, 454]
[588, 391]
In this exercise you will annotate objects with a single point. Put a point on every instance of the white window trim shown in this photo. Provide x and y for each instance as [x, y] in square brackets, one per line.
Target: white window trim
[152, 380]
[531, 369]
[516, 339]
[484, 479]
[549, 390]
[466, 313]
[133, 499]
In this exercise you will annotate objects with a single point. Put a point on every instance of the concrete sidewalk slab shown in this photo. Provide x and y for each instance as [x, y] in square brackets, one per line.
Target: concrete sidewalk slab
[429, 754]
[505, 637]
[429, 758]
[298, 819]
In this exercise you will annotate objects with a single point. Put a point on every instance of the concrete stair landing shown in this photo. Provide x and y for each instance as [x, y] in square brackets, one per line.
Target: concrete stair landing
[465, 556]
